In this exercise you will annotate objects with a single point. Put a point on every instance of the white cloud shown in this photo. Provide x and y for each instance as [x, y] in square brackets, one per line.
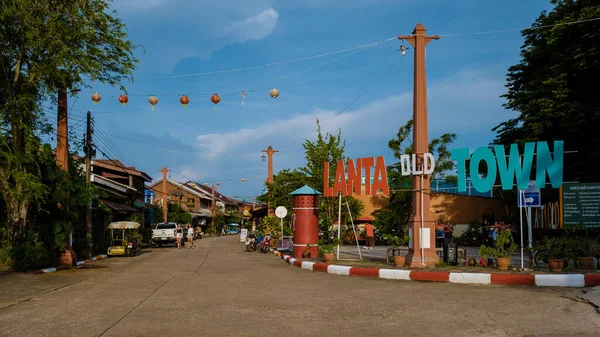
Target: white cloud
[465, 101]
[186, 173]
[137, 4]
[192, 28]
[256, 27]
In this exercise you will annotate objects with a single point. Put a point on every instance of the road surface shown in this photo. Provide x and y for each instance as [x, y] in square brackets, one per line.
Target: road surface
[220, 290]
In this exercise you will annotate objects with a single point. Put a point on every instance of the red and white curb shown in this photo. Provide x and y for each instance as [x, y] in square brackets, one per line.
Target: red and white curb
[540, 280]
[79, 263]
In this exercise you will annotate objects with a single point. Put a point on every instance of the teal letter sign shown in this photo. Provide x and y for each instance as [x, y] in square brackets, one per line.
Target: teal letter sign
[518, 166]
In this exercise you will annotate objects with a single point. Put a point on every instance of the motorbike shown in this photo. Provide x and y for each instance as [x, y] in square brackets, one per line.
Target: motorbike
[132, 248]
[251, 243]
[264, 246]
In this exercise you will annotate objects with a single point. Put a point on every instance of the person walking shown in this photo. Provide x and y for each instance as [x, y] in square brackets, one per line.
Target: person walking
[439, 234]
[370, 234]
[178, 235]
[190, 236]
[448, 233]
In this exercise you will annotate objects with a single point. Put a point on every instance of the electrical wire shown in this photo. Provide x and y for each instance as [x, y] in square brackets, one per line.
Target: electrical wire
[349, 104]
[520, 29]
[366, 46]
[275, 63]
[120, 153]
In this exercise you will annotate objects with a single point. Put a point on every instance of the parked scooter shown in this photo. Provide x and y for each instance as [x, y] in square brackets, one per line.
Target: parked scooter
[132, 248]
[251, 242]
[264, 247]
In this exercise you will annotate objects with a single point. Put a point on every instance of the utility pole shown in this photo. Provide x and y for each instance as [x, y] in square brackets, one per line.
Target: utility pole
[89, 152]
[68, 257]
[270, 151]
[421, 221]
[165, 204]
[213, 206]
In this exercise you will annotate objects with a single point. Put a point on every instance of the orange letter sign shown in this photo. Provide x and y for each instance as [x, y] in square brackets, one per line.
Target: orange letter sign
[380, 179]
[354, 175]
[340, 179]
[327, 190]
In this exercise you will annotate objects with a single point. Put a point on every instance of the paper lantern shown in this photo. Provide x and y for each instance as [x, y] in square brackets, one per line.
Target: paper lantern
[243, 180]
[96, 98]
[274, 93]
[243, 97]
[215, 99]
[123, 99]
[218, 183]
[153, 101]
[184, 100]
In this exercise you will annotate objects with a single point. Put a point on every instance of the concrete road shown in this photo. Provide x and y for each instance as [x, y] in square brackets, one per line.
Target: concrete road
[220, 290]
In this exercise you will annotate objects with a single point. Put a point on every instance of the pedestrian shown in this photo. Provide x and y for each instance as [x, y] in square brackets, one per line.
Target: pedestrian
[370, 241]
[178, 235]
[448, 233]
[439, 234]
[190, 236]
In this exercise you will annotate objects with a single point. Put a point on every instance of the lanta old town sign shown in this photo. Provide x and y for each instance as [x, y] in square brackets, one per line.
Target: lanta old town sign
[352, 185]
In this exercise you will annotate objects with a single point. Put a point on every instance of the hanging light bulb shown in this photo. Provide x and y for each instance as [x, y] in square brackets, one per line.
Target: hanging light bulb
[403, 50]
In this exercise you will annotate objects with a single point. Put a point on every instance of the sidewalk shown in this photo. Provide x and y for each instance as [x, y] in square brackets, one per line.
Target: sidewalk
[485, 276]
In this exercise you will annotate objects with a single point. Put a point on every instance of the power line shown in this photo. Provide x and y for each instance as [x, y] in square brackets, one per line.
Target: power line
[177, 148]
[117, 149]
[275, 63]
[521, 29]
[248, 87]
[351, 103]
[367, 46]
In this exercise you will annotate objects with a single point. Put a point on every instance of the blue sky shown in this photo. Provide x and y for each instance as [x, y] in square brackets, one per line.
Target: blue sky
[465, 74]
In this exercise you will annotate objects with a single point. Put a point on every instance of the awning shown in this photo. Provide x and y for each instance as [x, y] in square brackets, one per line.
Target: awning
[115, 206]
[206, 213]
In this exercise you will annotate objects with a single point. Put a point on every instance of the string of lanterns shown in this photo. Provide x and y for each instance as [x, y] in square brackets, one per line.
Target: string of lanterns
[184, 99]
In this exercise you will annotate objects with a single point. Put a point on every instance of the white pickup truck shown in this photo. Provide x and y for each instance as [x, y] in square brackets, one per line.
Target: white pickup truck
[164, 233]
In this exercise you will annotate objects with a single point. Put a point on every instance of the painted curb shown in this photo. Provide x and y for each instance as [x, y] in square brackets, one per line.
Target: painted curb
[540, 280]
[79, 263]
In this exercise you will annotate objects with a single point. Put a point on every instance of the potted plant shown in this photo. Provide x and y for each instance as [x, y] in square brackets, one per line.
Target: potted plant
[502, 249]
[396, 242]
[306, 252]
[583, 250]
[555, 249]
[327, 249]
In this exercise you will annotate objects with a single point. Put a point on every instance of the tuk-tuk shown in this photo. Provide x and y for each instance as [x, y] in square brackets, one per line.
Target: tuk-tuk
[121, 238]
[232, 228]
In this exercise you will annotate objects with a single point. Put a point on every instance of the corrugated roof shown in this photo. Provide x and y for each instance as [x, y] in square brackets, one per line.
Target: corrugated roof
[305, 190]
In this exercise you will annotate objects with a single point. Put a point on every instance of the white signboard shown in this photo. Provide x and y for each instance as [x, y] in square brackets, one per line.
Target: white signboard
[243, 234]
[408, 165]
[281, 212]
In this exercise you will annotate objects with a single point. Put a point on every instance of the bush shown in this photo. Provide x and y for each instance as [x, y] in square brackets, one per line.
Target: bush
[26, 256]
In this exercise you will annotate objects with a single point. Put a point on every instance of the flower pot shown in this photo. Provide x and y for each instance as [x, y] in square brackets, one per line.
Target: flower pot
[585, 262]
[503, 262]
[329, 257]
[399, 260]
[556, 264]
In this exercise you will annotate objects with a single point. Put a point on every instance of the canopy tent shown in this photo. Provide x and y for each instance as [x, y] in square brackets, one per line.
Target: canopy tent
[124, 225]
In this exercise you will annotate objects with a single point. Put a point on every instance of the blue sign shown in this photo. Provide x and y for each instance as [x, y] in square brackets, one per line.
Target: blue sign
[530, 197]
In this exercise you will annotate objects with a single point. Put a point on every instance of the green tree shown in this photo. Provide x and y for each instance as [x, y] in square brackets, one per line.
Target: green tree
[284, 182]
[327, 148]
[553, 88]
[178, 215]
[47, 47]
[395, 215]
